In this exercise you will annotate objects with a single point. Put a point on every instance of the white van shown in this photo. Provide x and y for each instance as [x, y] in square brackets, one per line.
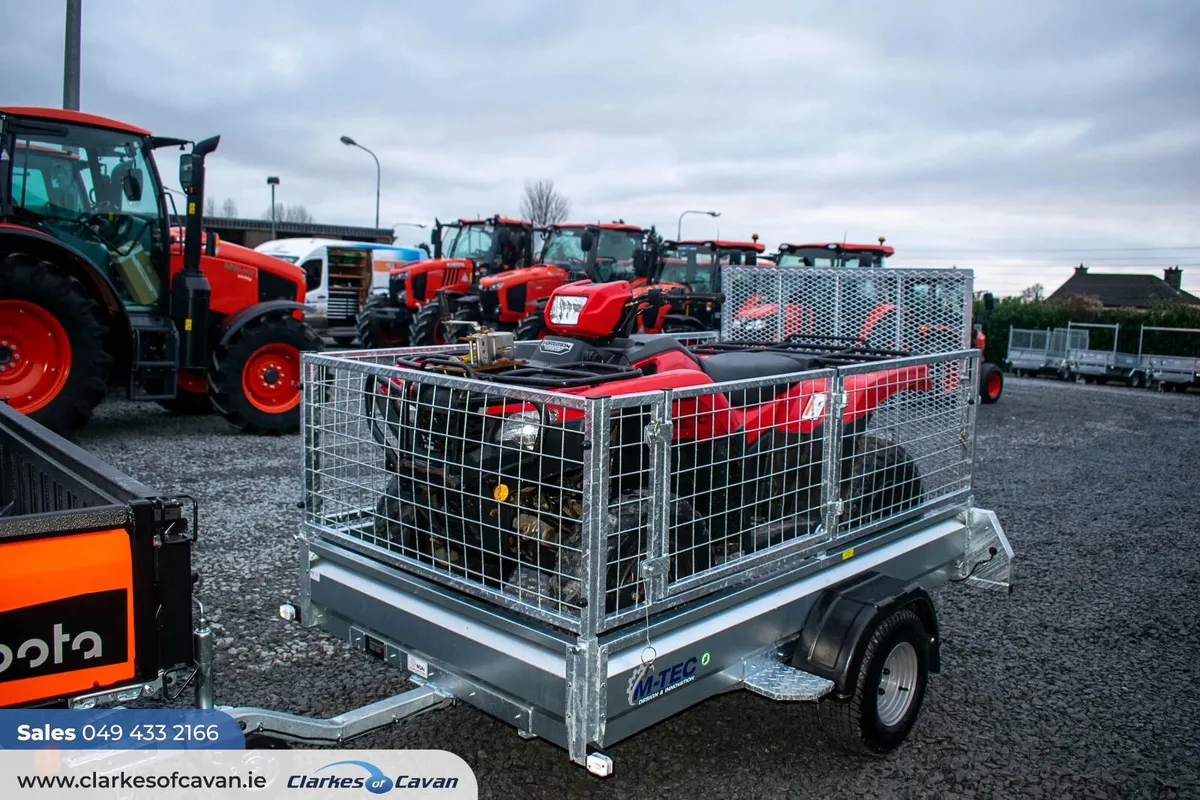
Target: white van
[341, 275]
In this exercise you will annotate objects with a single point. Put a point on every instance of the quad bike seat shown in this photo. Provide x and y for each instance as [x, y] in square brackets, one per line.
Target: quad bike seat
[738, 366]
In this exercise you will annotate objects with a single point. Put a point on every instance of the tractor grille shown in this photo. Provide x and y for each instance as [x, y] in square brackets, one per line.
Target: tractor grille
[489, 303]
[456, 275]
[342, 305]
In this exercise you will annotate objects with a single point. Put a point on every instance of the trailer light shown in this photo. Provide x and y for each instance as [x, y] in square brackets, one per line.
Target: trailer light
[523, 429]
[565, 309]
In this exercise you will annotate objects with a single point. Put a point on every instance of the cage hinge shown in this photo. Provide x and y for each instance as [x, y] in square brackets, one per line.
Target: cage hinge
[653, 567]
[657, 431]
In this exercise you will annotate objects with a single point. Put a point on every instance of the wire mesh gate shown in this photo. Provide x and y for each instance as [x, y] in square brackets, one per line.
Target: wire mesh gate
[591, 512]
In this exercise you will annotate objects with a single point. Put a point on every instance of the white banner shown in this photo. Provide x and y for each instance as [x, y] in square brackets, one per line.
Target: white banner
[233, 774]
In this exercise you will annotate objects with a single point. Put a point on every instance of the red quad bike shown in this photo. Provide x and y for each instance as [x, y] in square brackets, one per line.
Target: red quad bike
[464, 252]
[689, 272]
[98, 290]
[738, 456]
[757, 315]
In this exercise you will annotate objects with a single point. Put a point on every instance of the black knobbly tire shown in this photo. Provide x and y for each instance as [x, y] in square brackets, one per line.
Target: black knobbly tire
[27, 280]
[530, 328]
[267, 344]
[188, 403]
[376, 335]
[426, 326]
[879, 480]
[882, 710]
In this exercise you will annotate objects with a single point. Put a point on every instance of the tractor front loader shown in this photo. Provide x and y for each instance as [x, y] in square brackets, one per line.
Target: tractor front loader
[98, 290]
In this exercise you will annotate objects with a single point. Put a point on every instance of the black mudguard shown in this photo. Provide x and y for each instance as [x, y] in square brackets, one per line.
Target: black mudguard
[842, 621]
[230, 326]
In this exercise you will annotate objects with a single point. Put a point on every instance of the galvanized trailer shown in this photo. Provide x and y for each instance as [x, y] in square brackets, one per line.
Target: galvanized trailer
[625, 556]
[1028, 351]
[1099, 366]
[1165, 371]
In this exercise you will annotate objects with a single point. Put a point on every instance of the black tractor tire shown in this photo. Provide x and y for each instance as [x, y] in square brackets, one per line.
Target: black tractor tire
[991, 383]
[879, 480]
[425, 329]
[24, 277]
[344, 341]
[530, 328]
[376, 335]
[192, 404]
[860, 724]
[225, 384]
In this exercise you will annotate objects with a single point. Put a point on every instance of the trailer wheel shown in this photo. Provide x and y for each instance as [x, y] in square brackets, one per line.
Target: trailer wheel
[254, 381]
[991, 383]
[532, 327]
[374, 334]
[888, 692]
[426, 328]
[53, 363]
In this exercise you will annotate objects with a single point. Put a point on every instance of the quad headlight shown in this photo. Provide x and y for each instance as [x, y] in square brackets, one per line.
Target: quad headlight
[523, 429]
[565, 309]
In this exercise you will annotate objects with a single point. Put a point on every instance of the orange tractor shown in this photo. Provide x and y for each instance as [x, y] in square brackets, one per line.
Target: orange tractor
[689, 274]
[97, 288]
[464, 253]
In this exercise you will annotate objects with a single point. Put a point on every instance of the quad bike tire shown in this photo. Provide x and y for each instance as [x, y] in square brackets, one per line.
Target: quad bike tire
[426, 328]
[376, 335]
[880, 480]
[47, 319]
[991, 383]
[530, 328]
[254, 380]
[888, 690]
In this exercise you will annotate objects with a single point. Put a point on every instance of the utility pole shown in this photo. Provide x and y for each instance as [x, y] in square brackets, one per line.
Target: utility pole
[71, 57]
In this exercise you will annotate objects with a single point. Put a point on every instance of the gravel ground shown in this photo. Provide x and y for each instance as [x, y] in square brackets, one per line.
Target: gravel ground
[1083, 682]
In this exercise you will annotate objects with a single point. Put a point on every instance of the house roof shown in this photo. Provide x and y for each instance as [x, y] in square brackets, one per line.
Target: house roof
[1117, 290]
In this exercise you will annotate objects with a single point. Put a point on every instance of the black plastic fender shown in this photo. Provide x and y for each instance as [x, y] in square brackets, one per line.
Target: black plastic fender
[230, 326]
[684, 321]
[70, 259]
[841, 622]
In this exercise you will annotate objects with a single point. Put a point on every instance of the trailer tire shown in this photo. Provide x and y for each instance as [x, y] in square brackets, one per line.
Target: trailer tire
[888, 691]
[426, 327]
[38, 304]
[254, 379]
[991, 383]
[376, 335]
[530, 328]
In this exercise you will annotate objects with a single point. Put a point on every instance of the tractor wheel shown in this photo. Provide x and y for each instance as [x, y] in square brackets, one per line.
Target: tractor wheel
[991, 383]
[376, 335]
[426, 328]
[53, 363]
[879, 479]
[254, 381]
[343, 341]
[530, 328]
[191, 395]
[888, 691]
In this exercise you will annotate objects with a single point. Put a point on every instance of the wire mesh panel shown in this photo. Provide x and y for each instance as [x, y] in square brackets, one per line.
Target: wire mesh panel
[911, 310]
[906, 439]
[466, 482]
[1027, 348]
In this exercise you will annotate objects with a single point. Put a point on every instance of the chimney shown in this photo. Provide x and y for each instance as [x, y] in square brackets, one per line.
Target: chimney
[1081, 270]
[1174, 278]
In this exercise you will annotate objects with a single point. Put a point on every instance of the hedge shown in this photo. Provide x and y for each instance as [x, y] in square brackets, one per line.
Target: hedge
[1040, 315]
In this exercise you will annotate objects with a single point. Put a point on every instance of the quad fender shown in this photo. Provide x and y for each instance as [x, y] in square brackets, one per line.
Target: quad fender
[230, 326]
[841, 622]
[684, 321]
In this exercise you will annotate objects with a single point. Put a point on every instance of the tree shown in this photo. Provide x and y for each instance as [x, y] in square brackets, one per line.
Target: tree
[296, 213]
[229, 208]
[1033, 294]
[210, 207]
[542, 205]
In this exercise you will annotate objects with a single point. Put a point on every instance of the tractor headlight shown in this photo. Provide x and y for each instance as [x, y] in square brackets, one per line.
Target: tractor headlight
[523, 429]
[565, 309]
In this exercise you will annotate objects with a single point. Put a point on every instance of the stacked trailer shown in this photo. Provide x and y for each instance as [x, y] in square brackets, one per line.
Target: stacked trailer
[1166, 372]
[1084, 364]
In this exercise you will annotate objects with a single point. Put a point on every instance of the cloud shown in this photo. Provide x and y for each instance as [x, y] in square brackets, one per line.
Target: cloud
[1017, 138]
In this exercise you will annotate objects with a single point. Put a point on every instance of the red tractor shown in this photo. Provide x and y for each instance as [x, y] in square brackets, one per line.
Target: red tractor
[96, 287]
[689, 275]
[464, 253]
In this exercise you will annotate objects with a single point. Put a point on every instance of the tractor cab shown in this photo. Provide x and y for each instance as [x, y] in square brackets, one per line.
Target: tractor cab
[833, 254]
[696, 264]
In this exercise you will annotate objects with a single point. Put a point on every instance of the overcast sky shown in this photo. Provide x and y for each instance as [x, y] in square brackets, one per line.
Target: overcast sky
[1015, 140]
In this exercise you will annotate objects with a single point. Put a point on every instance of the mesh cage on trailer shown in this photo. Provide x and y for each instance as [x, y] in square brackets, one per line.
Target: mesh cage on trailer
[919, 311]
[590, 512]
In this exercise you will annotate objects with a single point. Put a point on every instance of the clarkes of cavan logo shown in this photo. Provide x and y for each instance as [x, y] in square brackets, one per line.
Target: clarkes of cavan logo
[350, 775]
[79, 632]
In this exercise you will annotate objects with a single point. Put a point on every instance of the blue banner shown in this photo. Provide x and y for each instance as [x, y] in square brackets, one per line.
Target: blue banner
[119, 729]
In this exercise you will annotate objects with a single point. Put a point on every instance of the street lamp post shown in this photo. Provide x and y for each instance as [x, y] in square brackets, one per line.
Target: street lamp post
[272, 181]
[679, 230]
[346, 140]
